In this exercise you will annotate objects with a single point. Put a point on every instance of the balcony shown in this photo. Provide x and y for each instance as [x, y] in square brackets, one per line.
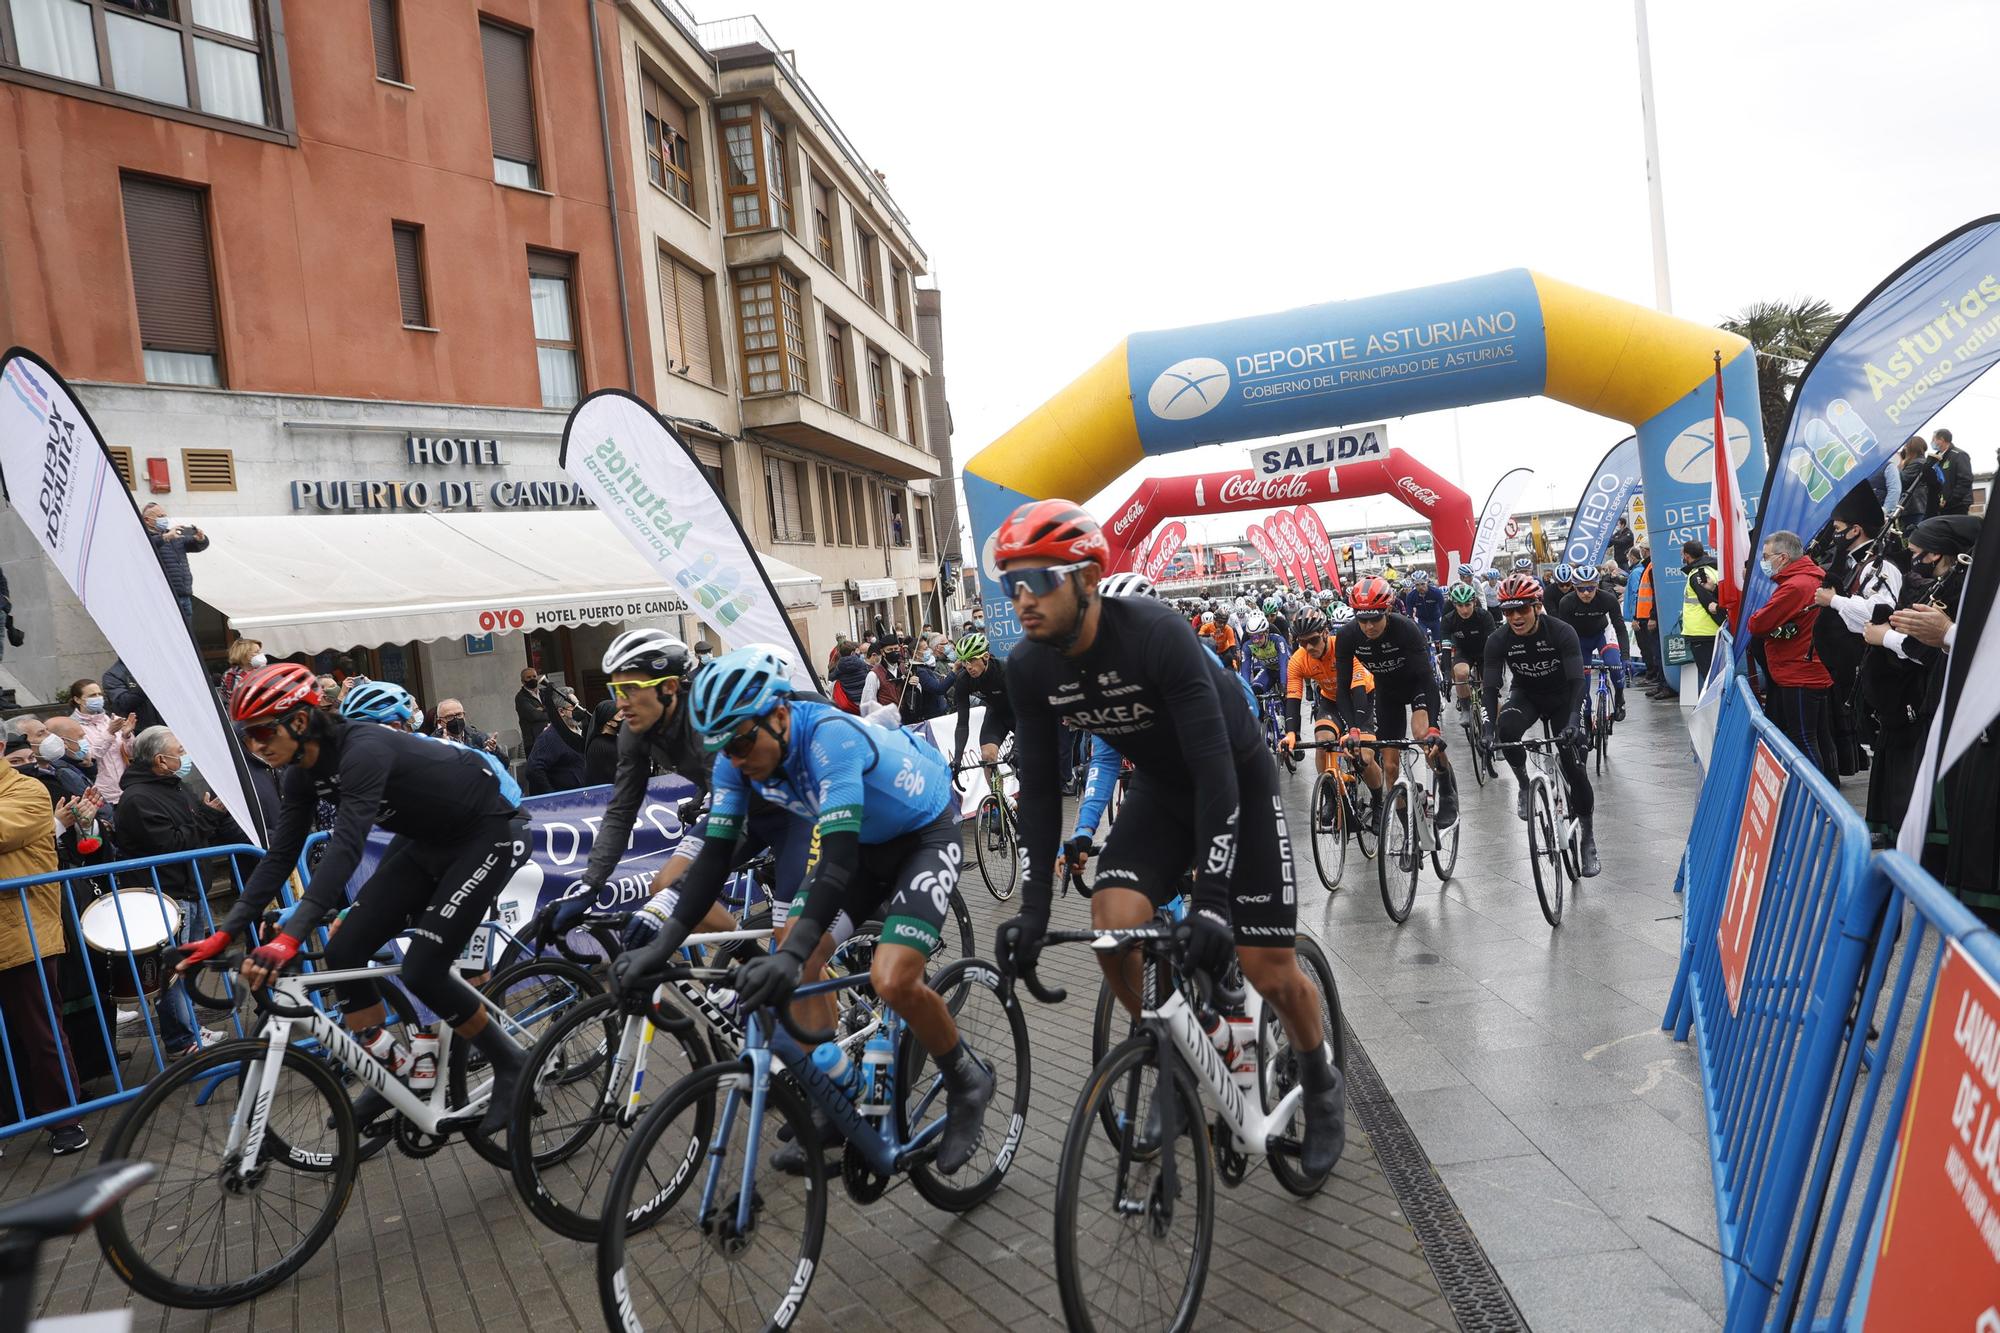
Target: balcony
[805, 422]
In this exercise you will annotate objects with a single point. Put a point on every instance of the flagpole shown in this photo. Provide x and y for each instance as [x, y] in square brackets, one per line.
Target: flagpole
[1662, 287]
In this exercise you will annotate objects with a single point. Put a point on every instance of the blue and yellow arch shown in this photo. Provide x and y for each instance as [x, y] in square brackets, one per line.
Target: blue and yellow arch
[1504, 335]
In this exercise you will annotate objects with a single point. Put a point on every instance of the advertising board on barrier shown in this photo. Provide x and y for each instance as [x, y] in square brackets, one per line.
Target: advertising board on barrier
[1937, 1260]
[1762, 801]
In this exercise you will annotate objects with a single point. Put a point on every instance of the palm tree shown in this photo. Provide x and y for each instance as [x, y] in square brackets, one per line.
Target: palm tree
[1785, 335]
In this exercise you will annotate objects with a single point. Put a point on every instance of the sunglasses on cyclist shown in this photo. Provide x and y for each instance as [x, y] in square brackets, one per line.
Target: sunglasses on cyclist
[1312, 640]
[622, 688]
[1040, 582]
[739, 745]
[1511, 611]
[1369, 617]
[261, 733]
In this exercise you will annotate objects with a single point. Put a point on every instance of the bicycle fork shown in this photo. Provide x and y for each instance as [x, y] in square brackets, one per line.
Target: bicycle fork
[246, 1132]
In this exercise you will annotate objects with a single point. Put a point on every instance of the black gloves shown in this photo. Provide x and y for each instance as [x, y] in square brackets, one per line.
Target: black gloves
[635, 972]
[1208, 941]
[768, 979]
[1017, 944]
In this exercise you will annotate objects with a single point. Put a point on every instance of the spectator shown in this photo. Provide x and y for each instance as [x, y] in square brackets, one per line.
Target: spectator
[929, 680]
[451, 725]
[329, 690]
[123, 694]
[1646, 617]
[30, 980]
[173, 543]
[1623, 539]
[1800, 690]
[46, 761]
[1701, 608]
[245, 656]
[110, 737]
[1948, 474]
[1916, 491]
[529, 708]
[79, 831]
[891, 669]
[159, 816]
[556, 762]
[600, 751]
[703, 650]
[850, 677]
[1888, 483]
[12, 636]
[1859, 580]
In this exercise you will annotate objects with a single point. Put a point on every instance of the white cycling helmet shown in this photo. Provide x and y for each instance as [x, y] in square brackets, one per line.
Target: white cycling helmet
[1128, 584]
[1254, 623]
[649, 650]
[1339, 614]
[1208, 617]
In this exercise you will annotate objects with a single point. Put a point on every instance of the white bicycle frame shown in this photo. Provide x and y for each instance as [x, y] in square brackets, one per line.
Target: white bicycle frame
[1548, 772]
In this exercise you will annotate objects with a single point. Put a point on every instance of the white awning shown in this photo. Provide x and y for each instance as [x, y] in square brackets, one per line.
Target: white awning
[306, 585]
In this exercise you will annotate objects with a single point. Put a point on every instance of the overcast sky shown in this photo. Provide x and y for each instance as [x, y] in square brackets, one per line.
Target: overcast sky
[1080, 171]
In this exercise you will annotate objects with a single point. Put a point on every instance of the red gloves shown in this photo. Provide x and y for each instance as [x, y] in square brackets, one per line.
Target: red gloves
[200, 951]
[275, 955]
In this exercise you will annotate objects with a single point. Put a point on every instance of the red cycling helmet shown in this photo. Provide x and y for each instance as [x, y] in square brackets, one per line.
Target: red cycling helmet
[1372, 594]
[1051, 529]
[1519, 590]
[273, 692]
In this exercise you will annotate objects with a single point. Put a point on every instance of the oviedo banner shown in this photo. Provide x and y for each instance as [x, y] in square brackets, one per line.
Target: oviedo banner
[1494, 517]
[65, 487]
[1911, 346]
[643, 477]
[1605, 496]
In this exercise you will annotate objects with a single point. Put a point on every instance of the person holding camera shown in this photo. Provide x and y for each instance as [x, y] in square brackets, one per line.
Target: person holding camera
[451, 725]
[173, 542]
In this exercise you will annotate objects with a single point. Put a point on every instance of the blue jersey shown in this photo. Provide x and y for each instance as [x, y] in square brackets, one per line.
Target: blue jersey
[1105, 764]
[1427, 608]
[842, 775]
[1264, 663]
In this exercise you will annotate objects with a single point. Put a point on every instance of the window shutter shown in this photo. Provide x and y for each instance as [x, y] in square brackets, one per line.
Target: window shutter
[671, 315]
[410, 273]
[121, 460]
[692, 297]
[671, 112]
[209, 469]
[166, 229]
[510, 105]
[388, 50]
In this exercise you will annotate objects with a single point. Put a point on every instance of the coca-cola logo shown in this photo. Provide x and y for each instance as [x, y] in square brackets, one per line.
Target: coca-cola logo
[1423, 495]
[1240, 488]
[1127, 519]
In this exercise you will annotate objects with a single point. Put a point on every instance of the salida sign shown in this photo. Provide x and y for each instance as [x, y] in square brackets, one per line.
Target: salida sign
[1342, 446]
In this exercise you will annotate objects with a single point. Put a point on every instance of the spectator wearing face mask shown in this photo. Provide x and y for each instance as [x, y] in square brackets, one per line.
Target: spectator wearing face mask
[929, 681]
[556, 761]
[452, 725]
[245, 656]
[1800, 692]
[32, 943]
[110, 737]
[530, 708]
[173, 543]
[600, 747]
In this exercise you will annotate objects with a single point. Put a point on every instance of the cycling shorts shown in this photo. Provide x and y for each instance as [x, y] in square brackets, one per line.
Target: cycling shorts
[1518, 713]
[908, 881]
[1152, 848]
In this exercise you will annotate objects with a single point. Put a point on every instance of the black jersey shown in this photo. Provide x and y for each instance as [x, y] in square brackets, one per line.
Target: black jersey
[1400, 660]
[1547, 662]
[417, 786]
[1468, 634]
[1589, 618]
[988, 688]
[1165, 703]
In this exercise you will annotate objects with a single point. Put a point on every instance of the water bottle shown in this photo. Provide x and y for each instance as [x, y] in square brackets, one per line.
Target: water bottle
[387, 1051]
[1243, 1051]
[1223, 1033]
[875, 1058]
[831, 1059]
[423, 1061]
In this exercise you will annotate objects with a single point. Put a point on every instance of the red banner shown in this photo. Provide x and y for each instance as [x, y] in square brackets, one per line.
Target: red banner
[1938, 1262]
[1738, 931]
[1269, 550]
[1318, 542]
[1163, 550]
[1287, 527]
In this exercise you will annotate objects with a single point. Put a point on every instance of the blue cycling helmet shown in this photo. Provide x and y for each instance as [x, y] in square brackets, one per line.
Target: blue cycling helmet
[1585, 576]
[380, 701]
[1465, 572]
[1564, 574]
[747, 683]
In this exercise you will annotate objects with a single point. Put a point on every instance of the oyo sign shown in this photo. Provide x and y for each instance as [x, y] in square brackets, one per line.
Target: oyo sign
[1321, 451]
[511, 618]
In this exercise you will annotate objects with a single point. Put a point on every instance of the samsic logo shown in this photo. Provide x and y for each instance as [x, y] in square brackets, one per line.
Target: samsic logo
[1187, 389]
[58, 473]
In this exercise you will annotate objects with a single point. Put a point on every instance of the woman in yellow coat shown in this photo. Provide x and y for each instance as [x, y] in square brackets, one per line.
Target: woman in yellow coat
[30, 989]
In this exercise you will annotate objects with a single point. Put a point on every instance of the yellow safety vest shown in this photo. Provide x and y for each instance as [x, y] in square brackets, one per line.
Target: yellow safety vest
[1696, 622]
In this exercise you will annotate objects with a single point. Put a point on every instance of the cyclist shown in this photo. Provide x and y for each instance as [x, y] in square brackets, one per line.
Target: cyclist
[1586, 610]
[1398, 654]
[980, 679]
[388, 703]
[1559, 584]
[884, 825]
[1426, 604]
[1466, 630]
[1204, 791]
[1547, 663]
[1264, 654]
[459, 836]
[1274, 611]
[1313, 660]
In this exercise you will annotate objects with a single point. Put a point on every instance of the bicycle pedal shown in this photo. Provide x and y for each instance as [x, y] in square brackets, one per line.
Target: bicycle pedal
[458, 1124]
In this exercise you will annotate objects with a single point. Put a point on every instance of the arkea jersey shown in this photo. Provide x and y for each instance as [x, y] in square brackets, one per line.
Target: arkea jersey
[842, 775]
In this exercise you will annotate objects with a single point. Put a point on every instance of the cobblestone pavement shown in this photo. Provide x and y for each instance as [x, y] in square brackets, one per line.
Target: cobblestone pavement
[445, 1244]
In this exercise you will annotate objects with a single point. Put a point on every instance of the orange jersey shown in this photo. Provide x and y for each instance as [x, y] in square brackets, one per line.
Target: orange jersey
[1304, 666]
[1221, 634]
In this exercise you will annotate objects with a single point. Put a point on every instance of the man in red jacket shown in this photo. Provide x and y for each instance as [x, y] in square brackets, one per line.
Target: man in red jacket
[1800, 686]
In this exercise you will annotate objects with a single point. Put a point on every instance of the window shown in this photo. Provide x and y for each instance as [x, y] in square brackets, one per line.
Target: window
[865, 262]
[740, 182]
[822, 195]
[166, 231]
[669, 162]
[857, 493]
[786, 498]
[780, 178]
[909, 407]
[510, 105]
[208, 469]
[409, 243]
[878, 389]
[836, 366]
[382, 18]
[833, 503]
[899, 526]
[555, 329]
[923, 518]
[201, 55]
[121, 462]
[684, 316]
[771, 330]
[899, 281]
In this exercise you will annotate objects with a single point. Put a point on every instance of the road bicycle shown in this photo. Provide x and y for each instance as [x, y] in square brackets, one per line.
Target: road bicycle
[1406, 829]
[1597, 711]
[1343, 811]
[995, 831]
[727, 1243]
[256, 1138]
[1471, 719]
[1135, 1185]
[66, 1210]
[1272, 709]
[1554, 834]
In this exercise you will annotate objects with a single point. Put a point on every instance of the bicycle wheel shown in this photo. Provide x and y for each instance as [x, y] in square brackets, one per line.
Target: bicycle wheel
[579, 1119]
[1602, 740]
[187, 1239]
[1361, 817]
[1402, 858]
[535, 994]
[1113, 1023]
[1479, 774]
[993, 846]
[1278, 1061]
[1330, 829]
[1544, 853]
[1444, 856]
[1116, 801]
[695, 1266]
[1131, 1252]
[991, 1024]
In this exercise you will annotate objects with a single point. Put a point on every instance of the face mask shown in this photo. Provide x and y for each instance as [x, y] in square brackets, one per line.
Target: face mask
[162, 524]
[83, 750]
[94, 704]
[259, 660]
[51, 748]
[417, 720]
[185, 767]
[1770, 567]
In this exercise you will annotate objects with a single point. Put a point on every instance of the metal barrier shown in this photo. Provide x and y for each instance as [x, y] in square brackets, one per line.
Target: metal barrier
[1711, 838]
[64, 1019]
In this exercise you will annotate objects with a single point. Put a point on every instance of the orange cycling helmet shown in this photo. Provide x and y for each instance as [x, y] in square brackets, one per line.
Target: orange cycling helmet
[1052, 530]
[271, 692]
[1519, 590]
[1372, 594]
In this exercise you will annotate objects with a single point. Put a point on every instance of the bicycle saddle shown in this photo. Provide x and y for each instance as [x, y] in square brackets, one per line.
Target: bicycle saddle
[70, 1208]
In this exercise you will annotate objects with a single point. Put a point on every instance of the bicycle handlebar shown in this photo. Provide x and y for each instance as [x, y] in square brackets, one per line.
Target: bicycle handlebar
[225, 1001]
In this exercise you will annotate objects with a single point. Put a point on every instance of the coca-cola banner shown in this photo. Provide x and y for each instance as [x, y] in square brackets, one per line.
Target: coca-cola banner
[1261, 540]
[1163, 550]
[1286, 526]
[1318, 543]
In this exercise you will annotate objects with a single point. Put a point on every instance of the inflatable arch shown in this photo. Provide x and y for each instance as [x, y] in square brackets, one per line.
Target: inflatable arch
[1505, 335]
[1394, 474]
